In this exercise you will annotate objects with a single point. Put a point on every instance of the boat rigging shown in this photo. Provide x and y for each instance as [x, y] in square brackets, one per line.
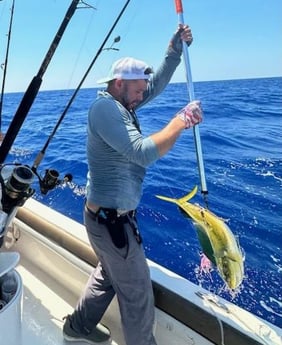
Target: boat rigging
[41, 154]
[16, 179]
[34, 87]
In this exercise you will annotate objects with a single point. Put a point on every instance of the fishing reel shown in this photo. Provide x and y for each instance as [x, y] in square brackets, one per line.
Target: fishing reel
[15, 182]
[50, 180]
[15, 185]
[15, 189]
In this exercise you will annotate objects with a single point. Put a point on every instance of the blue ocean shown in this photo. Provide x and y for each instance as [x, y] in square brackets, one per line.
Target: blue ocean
[241, 138]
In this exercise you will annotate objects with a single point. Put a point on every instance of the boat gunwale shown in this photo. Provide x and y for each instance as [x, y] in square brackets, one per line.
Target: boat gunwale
[196, 316]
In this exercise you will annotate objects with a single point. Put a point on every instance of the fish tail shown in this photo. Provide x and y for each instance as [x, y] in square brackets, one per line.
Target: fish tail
[182, 200]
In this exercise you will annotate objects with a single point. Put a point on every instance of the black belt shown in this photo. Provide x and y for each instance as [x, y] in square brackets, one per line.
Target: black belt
[114, 222]
[104, 213]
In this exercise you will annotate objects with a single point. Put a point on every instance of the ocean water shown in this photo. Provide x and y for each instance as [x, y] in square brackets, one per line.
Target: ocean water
[242, 149]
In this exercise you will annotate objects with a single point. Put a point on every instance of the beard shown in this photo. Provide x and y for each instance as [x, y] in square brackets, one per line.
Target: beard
[125, 99]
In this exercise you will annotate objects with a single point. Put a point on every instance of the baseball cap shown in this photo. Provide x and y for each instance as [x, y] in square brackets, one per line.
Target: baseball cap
[128, 68]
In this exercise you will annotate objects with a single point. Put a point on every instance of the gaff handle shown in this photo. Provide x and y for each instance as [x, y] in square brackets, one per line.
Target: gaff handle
[197, 138]
[178, 6]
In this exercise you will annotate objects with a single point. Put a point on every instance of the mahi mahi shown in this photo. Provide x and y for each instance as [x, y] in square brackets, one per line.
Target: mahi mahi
[216, 239]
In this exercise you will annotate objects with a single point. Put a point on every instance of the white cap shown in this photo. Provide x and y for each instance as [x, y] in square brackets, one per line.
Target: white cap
[127, 68]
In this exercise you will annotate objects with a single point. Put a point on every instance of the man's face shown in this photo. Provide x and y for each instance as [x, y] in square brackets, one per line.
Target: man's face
[131, 92]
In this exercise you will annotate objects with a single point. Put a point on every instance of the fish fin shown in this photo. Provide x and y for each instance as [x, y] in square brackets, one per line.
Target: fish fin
[182, 200]
[188, 196]
[175, 201]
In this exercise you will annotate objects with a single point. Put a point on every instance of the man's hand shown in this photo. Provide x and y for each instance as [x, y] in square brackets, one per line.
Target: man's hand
[183, 33]
[191, 114]
[186, 34]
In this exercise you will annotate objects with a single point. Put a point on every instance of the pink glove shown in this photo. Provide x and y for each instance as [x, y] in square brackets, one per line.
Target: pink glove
[191, 114]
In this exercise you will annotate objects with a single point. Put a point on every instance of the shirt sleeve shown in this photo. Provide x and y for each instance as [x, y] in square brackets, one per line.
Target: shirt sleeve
[114, 124]
[162, 76]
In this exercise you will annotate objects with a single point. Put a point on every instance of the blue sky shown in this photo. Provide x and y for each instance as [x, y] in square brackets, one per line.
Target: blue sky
[232, 39]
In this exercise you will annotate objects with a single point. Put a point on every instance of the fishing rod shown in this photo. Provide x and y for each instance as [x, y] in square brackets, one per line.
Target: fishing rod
[33, 87]
[5, 64]
[197, 138]
[41, 154]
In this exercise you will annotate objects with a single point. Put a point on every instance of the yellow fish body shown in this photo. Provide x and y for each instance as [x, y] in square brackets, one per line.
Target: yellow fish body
[217, 240]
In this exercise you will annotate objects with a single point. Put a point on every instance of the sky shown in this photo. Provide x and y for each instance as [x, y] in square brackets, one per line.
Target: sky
[232, 39]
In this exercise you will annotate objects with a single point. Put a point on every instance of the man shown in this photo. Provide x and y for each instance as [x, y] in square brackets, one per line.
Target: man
[117, 157]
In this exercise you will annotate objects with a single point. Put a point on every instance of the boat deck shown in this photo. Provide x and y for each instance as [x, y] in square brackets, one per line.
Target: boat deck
[52, 282]
[43, 309]
[46, 301]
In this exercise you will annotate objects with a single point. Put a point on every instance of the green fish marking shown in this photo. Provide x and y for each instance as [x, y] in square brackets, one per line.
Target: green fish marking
[217, 240]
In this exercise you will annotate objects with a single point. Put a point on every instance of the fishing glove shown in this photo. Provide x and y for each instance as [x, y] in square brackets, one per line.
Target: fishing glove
[175, 44]
[191, 114]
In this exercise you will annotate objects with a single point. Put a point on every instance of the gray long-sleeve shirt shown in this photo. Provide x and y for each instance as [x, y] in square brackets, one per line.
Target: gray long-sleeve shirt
[117, 152]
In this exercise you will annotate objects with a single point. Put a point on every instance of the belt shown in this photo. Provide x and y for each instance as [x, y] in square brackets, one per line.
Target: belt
[104, 213]
[114, 222]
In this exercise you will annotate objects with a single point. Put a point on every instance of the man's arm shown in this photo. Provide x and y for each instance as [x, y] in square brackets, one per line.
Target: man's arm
[163, 74]
[166, 138]
[186, 118]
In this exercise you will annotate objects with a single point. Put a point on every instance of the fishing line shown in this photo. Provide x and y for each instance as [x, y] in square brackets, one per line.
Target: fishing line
[85, 5]
[211, 299]
[2, 11]
[86, 34]
[128, 26]
[41, 154]
[124, 35]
